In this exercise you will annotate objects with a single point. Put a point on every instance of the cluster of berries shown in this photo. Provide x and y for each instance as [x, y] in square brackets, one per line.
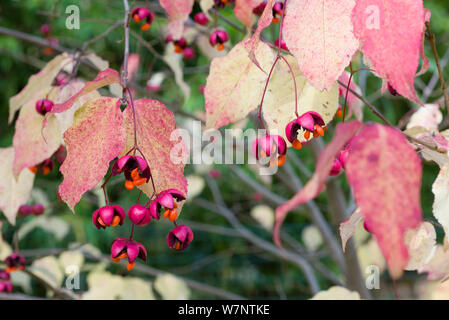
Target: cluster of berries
[275, 147]
[46, 33]
[340, 161]
[36, 209]
[43, 106]
[47, 165]
[218, 38]
[181, 47]
[137, 172]
[278, 8]
[13, 263]
[222, 3]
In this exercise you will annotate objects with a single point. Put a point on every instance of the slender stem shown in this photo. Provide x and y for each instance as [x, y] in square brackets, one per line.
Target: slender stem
[134, 119]
[103, 186]
[431, 38]
[126, 54]
[337, 208]
[132, 232]
[315, 214]
[280, 27]
[259, 114]
[221, 208]
[387, 122]
[349, 85]
[138, 197]
[294, 84]
[278, 57]
[16, 240]
[347, 92]
[396, 296]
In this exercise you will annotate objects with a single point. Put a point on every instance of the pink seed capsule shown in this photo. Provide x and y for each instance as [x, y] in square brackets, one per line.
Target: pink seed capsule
[25, 210]
[283, 45]
[38, 209]
[201, 19]
[45, 29]
[336, 168]
[43, 106]
[139, 215]
[189, 53]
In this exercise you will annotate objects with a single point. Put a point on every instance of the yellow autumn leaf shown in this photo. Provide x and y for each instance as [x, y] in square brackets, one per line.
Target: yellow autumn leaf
[39, 81]
[13, 193]
[279, 103]
[336, 293]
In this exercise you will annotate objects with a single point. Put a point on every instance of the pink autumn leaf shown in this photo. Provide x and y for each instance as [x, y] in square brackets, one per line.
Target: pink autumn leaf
[264, 21]
[320, 35]
[349, 226]
[178, 12]
[384, 172]
[103, 78]
[133, 65]
[391, 36]
[244, 11]
[32, 142]
[343, 133]
[425, 61]
[154, 125]
[96, 137]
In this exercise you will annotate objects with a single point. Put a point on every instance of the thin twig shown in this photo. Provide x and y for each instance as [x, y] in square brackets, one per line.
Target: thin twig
[221, 208]
[431, 38]
[145, 269]
[36, 40]
[427, 91]
[126, 54]
[315, 215]
[387, 122]
[338, 209]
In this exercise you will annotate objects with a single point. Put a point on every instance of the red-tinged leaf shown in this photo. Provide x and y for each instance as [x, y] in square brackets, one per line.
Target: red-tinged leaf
[425, 61]
[391, 35]
[103, 78]
[13, 193]
[244, 11]
[235, 85]
[178, 12]
[133, 65]
[96, 137]
[384, 172]
[154, 124]
[32, 142]
[36, 137]
[343, 133]
[349, 226]
[264, 21]
[38, 82]
[320, 35]
[63, 93]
